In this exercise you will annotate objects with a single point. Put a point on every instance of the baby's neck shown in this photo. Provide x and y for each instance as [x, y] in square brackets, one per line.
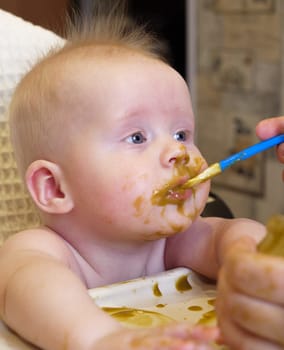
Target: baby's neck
[101, 261]
[106, 264]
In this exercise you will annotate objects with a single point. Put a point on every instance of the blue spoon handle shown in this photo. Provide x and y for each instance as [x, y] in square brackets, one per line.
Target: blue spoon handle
[251, 151]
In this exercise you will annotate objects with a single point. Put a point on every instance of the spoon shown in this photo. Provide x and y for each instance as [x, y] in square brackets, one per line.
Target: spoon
[218, 168]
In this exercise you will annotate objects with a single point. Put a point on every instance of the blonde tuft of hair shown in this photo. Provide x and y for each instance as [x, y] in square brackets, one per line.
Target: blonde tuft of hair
[109, 24]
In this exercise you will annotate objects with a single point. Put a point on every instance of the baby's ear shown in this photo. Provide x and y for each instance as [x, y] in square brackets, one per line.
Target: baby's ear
[48, 188]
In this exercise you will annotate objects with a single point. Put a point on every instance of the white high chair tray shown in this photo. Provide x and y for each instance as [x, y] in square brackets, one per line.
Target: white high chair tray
[178, 294]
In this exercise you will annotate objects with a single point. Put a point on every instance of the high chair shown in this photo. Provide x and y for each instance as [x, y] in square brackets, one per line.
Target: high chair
[21, 44]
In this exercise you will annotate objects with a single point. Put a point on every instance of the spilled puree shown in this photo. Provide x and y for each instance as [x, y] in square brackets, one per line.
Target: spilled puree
[182, 284]
[137, 317]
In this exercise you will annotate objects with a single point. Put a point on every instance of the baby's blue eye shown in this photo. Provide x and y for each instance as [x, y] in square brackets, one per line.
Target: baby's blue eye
[181, 136]
[136, 138]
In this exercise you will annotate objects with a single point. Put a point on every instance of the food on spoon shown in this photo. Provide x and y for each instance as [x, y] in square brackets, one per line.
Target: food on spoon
[273, 242]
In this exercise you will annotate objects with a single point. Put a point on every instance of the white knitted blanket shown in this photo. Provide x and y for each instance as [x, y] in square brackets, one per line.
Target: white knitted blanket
[21, 44]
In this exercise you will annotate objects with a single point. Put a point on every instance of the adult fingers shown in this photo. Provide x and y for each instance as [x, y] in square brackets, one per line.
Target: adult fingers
[270, 127]
[239, 339]
[257, 275]
[243, 326]
[280, 152]
[257, 317]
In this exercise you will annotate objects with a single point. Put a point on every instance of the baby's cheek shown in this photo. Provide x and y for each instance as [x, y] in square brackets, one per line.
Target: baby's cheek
[134, 183]
[136, 194]
[127, 186]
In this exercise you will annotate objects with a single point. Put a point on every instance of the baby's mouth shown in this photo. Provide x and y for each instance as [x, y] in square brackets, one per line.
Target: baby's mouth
[177, 195]
[172, 192]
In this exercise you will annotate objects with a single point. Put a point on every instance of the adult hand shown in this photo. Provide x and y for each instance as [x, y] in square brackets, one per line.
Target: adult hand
[272, 127]
[250, 302]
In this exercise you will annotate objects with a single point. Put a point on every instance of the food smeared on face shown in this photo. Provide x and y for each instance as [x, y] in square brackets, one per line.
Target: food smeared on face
[273, 242]
[138, 205]
[173, 192]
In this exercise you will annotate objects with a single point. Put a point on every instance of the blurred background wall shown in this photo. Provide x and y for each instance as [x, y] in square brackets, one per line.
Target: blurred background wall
[239, 81]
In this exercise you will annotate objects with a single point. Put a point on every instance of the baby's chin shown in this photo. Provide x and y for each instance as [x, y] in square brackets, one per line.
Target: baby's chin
[182, 214]
[170, 219]
[169, 227]
[165, 233]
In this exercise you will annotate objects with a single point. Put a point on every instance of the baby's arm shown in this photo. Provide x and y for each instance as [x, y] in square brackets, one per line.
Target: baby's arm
[204, 246]
[43, 300]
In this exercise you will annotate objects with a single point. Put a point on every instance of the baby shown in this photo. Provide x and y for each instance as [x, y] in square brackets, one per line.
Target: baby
[99, 127]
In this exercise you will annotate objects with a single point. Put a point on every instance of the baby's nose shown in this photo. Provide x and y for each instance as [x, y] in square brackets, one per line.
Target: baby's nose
[174, 153]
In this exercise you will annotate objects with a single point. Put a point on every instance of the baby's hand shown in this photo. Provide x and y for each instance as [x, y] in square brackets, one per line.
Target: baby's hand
[177, 336]
[250, 302]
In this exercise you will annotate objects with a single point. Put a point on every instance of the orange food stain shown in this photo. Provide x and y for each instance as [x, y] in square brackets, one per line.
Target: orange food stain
[138, 205]
[211, 301]
[137, 317]
[160, 305]
[195, 308]
[156, 290]
[182, 284]
[208, 317]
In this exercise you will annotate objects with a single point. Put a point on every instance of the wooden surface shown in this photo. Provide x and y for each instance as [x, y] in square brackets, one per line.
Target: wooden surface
[49, 14]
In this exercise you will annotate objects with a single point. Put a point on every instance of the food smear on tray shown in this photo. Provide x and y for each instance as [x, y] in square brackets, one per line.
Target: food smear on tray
[195, 308]
[138, 317]
[182, 284]
[208, 318]
[273, 242]
[156, 290]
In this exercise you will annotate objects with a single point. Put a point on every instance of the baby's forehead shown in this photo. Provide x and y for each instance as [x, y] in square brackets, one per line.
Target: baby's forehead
[71, 65]
[102, 60]
[100, 53]
[73, 72]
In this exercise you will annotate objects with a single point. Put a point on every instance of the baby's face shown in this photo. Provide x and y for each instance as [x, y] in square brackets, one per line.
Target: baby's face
[134, 136]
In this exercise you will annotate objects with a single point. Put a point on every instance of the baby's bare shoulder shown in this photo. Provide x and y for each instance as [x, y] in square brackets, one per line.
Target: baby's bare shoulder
[37, 241]
[35, 245]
